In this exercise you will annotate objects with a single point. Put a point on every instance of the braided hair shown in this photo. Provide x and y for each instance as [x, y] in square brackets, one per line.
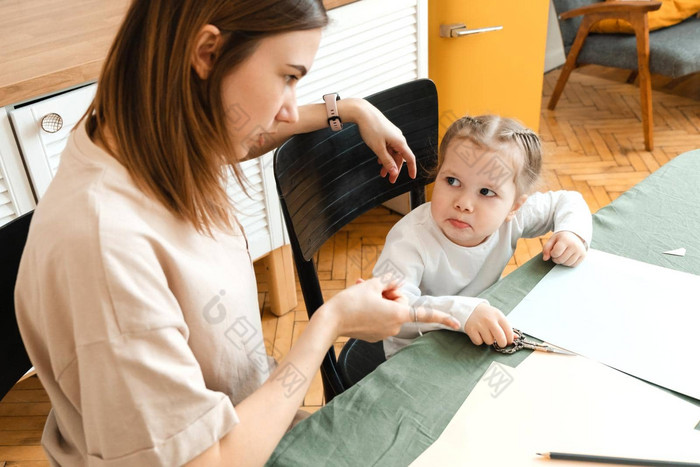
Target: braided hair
[493, 132]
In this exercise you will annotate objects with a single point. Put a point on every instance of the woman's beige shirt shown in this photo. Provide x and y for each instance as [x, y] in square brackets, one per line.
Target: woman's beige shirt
[144, 333]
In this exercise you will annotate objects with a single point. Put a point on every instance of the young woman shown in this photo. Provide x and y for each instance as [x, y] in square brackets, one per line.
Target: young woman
[136, 296]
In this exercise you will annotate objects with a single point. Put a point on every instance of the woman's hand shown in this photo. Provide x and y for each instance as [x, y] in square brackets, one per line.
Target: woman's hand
[382, 137]
[564, 248]
[373, 310]
[487, 324]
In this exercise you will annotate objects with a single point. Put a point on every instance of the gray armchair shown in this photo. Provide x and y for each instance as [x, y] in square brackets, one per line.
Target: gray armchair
[673, 51]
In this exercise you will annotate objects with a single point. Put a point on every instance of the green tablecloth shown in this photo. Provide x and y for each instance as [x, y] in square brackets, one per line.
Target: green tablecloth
[394, 414]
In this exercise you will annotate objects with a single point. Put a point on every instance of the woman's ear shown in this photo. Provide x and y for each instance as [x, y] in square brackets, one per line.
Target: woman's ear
[206, 47]
[516, 205]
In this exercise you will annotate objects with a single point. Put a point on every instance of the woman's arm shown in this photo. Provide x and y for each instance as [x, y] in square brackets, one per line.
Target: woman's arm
[360, 311]
[376, 130]
[266, 414]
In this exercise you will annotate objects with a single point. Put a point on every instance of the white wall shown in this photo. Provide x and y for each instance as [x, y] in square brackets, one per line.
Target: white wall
[554, 54]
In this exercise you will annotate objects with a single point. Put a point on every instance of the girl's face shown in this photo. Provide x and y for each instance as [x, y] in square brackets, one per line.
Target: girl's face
[474, 192]
[260, 93]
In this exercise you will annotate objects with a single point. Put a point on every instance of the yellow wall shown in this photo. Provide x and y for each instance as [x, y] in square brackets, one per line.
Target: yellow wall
[496, 72]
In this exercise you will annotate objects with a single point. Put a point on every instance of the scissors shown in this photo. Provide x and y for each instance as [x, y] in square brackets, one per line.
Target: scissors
[521, 342]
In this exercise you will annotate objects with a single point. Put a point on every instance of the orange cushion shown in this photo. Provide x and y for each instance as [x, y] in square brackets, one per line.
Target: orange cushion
[671, 12]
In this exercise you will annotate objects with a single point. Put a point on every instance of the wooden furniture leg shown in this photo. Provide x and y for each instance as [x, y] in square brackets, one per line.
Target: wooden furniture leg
[570, 64]
[283, 291]
[640, 23]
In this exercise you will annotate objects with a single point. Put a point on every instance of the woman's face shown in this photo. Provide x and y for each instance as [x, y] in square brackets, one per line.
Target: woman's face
[260, 93]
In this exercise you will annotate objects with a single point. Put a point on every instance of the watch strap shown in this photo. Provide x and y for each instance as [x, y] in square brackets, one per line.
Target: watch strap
[334, 120]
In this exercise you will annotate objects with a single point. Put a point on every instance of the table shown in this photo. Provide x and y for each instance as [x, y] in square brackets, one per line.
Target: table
[50, 46]
[395, 413]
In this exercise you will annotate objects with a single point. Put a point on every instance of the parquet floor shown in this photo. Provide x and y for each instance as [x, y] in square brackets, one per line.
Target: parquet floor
[593, 143]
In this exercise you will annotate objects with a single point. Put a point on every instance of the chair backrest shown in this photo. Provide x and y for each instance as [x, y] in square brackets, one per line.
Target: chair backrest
[569, 27]
[327, 179]
[14, 362]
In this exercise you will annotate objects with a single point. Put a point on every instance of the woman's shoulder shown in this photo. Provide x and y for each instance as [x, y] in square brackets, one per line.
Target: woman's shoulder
[92, 203]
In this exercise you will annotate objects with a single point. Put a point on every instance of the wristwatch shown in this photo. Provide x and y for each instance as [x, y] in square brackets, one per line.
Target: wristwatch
[334, 120]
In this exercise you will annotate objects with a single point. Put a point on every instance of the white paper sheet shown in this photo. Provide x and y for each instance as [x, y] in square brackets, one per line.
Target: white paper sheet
[564, 404]
[637, 317]
[676, 252]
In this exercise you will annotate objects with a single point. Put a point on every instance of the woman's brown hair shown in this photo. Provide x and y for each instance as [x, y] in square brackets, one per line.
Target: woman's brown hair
[492, 132]
[167, 126]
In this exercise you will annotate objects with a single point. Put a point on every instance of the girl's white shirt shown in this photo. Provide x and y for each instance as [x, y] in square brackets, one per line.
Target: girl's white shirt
[440, 275]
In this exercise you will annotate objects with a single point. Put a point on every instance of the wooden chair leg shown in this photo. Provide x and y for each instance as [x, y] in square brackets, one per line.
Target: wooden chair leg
[283, 292]
[633, 76]
[641, 30]
[570, 62]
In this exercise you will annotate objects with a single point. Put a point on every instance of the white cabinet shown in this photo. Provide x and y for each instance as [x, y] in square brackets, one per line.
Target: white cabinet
[259, 211]
[369, 46]
[15, 193]
[42, 149]
[259, 214]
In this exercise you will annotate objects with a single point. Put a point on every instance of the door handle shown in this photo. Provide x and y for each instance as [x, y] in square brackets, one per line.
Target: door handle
[460, 29]
[51, 123]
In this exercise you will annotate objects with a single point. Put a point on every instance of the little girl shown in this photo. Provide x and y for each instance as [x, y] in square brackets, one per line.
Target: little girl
[448, 251]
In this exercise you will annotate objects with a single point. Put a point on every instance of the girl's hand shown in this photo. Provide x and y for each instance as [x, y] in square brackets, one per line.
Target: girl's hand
[564, 248]
[487, 324]
[382, 137]
[373, 310]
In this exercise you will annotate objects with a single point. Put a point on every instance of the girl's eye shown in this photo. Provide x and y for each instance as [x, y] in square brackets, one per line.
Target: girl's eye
[291, 78]
[452, 181]
[487, 192]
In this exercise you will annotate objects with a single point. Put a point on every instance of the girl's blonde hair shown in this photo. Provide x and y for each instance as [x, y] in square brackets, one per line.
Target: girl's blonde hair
[168, 126]
[493, 132]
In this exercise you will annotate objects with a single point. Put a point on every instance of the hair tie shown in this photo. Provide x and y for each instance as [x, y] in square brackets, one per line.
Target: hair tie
[525, 133]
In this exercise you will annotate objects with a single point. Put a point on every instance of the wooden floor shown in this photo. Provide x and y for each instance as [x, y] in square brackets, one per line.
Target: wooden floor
[593, 144]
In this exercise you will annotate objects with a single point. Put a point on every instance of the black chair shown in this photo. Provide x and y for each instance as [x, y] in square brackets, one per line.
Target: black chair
[325, 180]
[14, 361]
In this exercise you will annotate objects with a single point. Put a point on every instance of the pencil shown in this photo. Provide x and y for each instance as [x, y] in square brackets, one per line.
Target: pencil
[615, 460]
